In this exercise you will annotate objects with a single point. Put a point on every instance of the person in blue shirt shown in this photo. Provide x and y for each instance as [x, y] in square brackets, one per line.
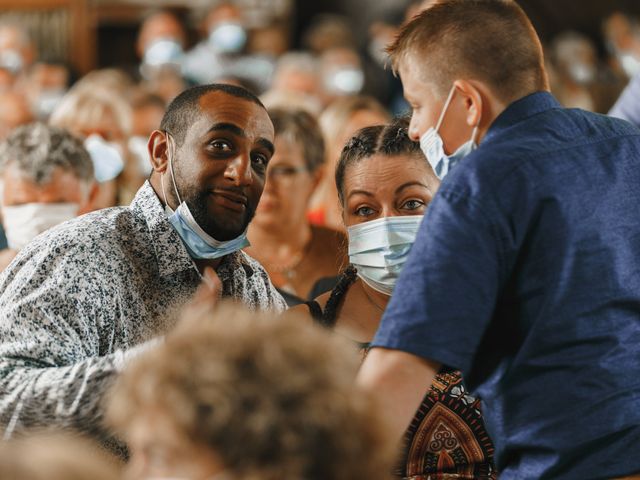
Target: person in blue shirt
[525, 274]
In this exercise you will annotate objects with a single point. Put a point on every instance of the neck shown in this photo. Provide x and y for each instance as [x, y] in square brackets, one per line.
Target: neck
[279, 242]
[379, 299]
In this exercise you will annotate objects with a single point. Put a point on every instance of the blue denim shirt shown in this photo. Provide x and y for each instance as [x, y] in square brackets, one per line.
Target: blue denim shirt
[526, 276]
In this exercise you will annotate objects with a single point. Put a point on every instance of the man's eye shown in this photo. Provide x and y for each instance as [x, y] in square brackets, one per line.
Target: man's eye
[260, 161]
[364, 211]
[221, 145]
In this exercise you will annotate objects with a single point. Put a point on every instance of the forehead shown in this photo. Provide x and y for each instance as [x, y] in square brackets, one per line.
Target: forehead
[416, 81]
[220, 107]
[380, 173]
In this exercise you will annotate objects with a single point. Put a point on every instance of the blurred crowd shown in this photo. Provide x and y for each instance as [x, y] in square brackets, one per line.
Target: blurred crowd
[76, 144]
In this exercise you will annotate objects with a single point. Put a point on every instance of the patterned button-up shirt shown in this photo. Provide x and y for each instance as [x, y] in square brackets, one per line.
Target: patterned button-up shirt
[87, 295]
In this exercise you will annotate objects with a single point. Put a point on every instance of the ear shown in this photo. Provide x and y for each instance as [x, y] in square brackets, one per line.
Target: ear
[158, 151]
[472, 99]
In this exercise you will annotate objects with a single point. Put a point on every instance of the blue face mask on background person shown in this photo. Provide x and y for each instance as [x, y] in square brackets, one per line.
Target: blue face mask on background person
[379, 249]
[432, 145]
[196, 240]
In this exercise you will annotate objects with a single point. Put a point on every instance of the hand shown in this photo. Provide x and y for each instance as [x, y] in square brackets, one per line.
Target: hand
[205, 299]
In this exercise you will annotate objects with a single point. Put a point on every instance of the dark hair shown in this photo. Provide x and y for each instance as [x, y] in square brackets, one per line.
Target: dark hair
[300, 127]
[488, 40]
[184, 110]
[391, 139]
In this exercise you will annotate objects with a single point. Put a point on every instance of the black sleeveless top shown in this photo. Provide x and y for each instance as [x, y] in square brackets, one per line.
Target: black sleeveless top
[447, 437]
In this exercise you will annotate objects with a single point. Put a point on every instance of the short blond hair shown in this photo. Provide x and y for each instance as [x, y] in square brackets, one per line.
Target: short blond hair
[488, 40]
[272, 397]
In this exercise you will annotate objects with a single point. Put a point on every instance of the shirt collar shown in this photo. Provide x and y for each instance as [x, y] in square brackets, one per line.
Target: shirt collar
[171, 254]
[520, 110]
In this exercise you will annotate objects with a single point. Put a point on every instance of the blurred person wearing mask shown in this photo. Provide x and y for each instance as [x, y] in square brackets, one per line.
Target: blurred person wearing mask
[385, 184]
[296, 81]
[575, 62]
[148, 110]
[342, 74]
[45, 85]
[222, 53]
[14, 112]
[339, 122]
[161, 44]
[295, 253]
[56, 456]
[237, 395]
[102, 118]
[523, 272]
[81, 300]
[622, 39]
[47, 179]
[17, 51]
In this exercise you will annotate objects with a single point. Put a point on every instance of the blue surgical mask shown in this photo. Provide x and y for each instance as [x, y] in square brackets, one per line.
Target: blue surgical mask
[107, 157]
[379, 249]
[432, 145]
[228, 37]
[199, 244]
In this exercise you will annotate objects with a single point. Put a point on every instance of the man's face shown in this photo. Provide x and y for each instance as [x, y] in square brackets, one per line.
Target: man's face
[220, 168]
[427, 104]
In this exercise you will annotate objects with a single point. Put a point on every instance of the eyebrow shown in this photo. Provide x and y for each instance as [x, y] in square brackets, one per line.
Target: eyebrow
[360, 192]
[239, 132]
[411, 184]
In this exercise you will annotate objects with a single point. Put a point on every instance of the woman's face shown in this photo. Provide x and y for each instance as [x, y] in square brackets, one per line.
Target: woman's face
[288, 187]
[387, 186]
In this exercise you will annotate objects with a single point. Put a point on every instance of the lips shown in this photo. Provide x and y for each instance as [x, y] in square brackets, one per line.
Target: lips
[231, 200]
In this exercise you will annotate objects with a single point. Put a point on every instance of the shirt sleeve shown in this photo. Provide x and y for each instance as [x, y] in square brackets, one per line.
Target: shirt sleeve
[57, 353]
[446, 294]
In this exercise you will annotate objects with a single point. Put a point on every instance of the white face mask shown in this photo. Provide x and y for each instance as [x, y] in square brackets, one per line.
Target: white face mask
[228, 37]
[344, 81]
[432, 145]
[22, 223]
[138, 148]
[107, 157]
[379, 249]
[47, 102]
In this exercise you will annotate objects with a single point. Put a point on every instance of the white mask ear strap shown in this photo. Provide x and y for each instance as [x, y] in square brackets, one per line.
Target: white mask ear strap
[474, 134]
[173, 175]
[446, 107]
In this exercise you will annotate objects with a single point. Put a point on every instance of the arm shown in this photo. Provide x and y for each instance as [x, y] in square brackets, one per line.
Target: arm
[398, 380]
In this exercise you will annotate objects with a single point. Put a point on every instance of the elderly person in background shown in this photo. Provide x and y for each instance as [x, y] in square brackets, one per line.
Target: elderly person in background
[47, 178]
[82, 299]
[294, 253]
[14, 112]
[385, 184]
[249, 397]
[339, 122]
[103, 119]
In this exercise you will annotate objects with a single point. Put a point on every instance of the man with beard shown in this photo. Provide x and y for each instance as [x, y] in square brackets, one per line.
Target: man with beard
[85, 297]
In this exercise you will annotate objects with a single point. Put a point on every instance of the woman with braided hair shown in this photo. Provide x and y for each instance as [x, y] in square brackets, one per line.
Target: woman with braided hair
[385, 184]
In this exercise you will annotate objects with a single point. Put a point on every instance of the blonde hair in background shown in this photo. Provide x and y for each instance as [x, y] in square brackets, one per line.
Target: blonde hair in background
[87, 104]
[272, 397]
[50, 456]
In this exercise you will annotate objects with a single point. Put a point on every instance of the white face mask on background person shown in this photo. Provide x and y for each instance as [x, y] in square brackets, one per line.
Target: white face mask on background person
[11, 60]
[22, 223]
[138, 148]
[432, 145]
[344, 80]
[228, 37]
[47, 102]
[107, 157]
[379, 249]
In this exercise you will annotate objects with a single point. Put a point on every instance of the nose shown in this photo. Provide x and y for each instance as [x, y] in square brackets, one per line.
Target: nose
[414, 132]
[239, 171]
